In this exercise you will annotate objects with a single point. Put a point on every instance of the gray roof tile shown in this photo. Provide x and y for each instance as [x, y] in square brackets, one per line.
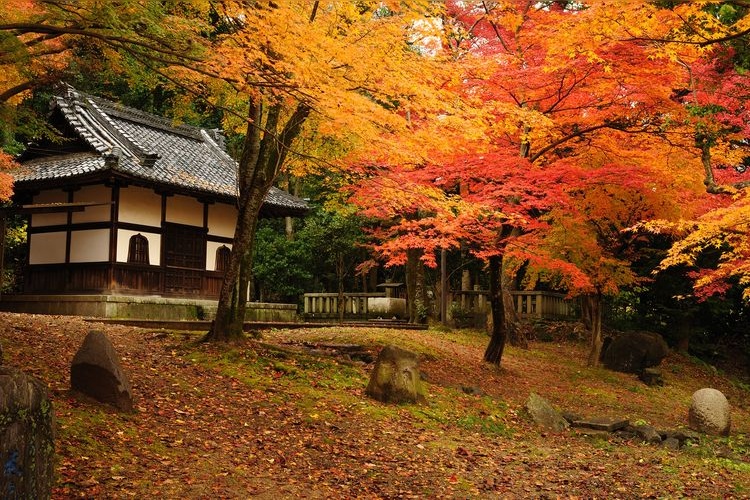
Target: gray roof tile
[146, 147]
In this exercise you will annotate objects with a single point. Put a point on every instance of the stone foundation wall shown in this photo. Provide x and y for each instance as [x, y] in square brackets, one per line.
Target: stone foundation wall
[138, 307]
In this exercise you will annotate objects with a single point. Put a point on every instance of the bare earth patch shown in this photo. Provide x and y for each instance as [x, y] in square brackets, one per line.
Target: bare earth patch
[275, 419]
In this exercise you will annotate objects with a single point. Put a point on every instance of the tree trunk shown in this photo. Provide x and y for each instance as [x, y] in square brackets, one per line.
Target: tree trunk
[412, 262]
[593, 304]
[494, 352]
[245, 286]
[515, 334]
[340, 276]
[444, 287]
[683, 333]
[229, 313]
[420, 294]
[3, 230]
[263, 153]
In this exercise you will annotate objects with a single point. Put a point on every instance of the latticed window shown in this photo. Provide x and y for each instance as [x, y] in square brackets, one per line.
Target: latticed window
[222, 258]
[138, 250]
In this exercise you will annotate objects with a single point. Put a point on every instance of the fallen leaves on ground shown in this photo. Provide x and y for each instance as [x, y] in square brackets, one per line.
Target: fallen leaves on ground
[277, 420]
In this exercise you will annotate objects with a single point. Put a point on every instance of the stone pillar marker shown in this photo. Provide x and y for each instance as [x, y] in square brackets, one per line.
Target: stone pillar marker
[97, 372]
[27, 445]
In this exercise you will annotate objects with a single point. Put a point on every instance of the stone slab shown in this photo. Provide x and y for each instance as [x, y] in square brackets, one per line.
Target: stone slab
[607, 424]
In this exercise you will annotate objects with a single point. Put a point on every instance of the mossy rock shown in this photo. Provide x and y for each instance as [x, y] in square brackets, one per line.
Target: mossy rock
[396, 378]
[26, 436]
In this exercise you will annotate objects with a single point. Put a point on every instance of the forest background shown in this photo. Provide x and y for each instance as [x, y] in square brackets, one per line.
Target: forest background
[598, 148]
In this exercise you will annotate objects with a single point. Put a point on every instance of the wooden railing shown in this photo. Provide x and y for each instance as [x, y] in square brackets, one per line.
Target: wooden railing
[528, 304]
[326, 305]
[534, 304]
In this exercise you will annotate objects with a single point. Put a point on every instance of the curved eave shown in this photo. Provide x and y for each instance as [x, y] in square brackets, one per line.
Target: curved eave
[270, 209]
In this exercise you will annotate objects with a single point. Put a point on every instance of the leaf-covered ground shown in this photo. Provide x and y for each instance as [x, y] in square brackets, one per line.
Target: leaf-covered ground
[274, 419]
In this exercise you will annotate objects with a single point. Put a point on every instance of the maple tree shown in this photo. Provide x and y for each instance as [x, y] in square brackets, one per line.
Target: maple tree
[277, 71]
[555, 85]
[43, 42]
[267, 56]
[716, 97]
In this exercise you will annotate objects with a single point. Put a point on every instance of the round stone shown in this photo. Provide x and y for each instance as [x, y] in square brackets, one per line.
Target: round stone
[709, 412]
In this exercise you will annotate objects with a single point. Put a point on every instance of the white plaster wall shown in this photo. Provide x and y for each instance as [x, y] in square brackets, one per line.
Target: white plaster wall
[211, 247]
[50, 196]
[96, 194]
[184, 210]
[154, 246]
[221, 219]
[91, 245]
[140, 206]
[47, 248]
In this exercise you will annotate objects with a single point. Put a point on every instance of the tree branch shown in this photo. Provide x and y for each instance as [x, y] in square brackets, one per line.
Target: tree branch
[23, 28]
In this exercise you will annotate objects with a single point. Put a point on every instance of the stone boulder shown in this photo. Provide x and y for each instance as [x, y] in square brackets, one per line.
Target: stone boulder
[97, 372]
[633, 352]
[709, 412]
[27, 445]
[544, 414]
[395, 377]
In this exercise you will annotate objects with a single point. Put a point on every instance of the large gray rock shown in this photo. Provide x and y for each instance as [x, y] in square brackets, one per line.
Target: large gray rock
[709, 412]
[633, 352]
[27, 445]
[544, 414]
[97, 372]
[395, 378]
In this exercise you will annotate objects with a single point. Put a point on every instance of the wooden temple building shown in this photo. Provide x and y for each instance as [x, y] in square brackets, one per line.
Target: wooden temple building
[128, 204]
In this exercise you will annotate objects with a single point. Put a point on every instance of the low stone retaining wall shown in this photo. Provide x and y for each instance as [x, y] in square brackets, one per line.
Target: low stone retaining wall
[138, 307]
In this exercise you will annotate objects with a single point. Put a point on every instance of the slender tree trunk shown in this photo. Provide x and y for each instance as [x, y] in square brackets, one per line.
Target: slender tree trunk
[515, 333]
[412, 261]
[594, 307]
[494, 352]
[683, 333]
[708, 178]
[340, 276]
[420, 294]
[444, 287]
[3, 230]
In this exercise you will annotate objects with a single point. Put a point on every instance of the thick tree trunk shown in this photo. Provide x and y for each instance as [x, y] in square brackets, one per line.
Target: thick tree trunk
[263, 154]
[230, 314]
[494, 352]
[592, 305]
[245, 286]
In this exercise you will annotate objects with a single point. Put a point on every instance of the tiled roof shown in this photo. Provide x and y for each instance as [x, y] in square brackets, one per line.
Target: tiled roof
[148, 147]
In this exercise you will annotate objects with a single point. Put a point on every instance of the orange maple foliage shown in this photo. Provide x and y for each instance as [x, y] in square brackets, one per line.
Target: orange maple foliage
[575, 125]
